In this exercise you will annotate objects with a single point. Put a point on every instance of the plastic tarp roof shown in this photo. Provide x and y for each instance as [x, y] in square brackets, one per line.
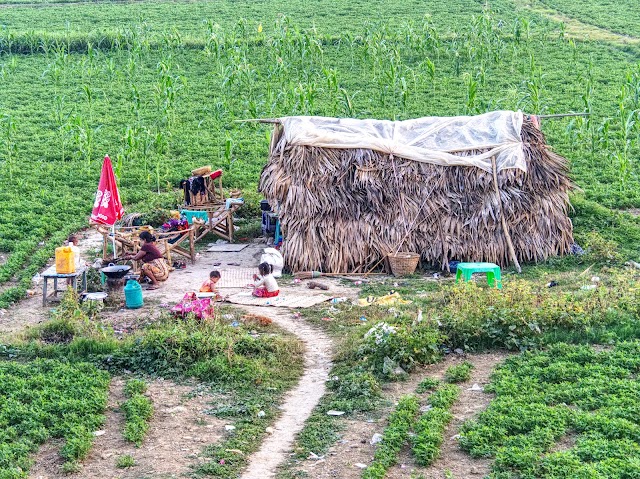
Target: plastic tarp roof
[447, 141]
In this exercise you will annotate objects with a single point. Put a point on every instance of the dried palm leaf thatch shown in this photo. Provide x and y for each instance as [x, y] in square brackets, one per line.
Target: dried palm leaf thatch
[342, 210]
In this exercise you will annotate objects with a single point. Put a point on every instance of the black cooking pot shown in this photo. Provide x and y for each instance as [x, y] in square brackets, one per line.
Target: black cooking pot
[116, 272]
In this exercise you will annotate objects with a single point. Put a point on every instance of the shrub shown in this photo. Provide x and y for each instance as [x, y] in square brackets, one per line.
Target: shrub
[125, 461]
[355, 391]
[404, 345]
[458, 373]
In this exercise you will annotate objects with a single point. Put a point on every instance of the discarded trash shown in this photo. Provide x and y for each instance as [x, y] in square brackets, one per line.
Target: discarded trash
[227, 316]
[633, 264]
[229, 427]
[552, 284]
[269, 430]
[458, 351]
[357, 283]
[235, 324]
[426, 408]
[261, 414]
[326, 319]
[297, 280]
[360, 465]
[297, 315]
[575, 249]
[333, 412]
[595, 279]
[338, 300]
[377, 437]
[476, 387]
[99, 433]
[588, 287]
[363, 319]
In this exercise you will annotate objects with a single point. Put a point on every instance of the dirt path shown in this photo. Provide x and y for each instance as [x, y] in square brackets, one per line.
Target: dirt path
[300, 401]
[178, 432]
[579, 30]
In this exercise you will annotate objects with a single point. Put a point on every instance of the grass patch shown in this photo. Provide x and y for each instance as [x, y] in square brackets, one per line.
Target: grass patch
[45, 399]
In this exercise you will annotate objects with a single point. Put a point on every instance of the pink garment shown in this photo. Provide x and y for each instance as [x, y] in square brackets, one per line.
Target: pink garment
[190, 304]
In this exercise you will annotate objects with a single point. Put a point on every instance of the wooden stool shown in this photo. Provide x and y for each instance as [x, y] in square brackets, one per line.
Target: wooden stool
[465, 270]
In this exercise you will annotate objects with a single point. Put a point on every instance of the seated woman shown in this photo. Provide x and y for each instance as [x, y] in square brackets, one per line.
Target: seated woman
[154, 266]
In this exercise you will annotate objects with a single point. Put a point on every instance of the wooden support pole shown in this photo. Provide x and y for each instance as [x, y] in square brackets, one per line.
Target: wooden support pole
[505, 230]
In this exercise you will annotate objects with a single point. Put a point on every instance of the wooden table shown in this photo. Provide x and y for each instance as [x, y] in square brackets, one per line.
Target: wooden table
[51, 273]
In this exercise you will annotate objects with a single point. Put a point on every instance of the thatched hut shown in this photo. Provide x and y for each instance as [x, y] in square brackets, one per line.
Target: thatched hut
[481, 188]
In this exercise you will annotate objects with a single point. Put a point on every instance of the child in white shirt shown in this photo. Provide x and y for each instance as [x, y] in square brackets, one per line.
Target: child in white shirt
[265, 285]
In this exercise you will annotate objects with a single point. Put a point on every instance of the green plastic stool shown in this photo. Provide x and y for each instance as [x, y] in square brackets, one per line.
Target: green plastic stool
[465, 270]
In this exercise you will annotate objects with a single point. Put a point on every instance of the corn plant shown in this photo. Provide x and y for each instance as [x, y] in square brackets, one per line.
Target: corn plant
[346, 101]
[471, 105]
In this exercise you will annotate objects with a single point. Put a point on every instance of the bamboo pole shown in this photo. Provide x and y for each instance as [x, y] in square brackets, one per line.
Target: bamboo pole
[505, 230]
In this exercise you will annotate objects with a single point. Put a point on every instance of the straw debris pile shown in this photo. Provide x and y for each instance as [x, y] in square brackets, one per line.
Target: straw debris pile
[342, 210]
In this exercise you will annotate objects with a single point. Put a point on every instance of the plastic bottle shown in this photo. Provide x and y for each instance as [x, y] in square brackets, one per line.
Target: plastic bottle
[65, 260]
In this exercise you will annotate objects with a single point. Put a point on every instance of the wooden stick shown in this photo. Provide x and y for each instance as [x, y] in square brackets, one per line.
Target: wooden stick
[274, 121]
[562, 115]
[505, 230]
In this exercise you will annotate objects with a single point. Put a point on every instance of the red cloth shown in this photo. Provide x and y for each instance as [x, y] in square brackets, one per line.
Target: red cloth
[107, 207]
[151, 252]
[263, 293]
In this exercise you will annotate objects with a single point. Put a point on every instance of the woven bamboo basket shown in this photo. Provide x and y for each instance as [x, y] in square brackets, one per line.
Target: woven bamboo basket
[403, 263]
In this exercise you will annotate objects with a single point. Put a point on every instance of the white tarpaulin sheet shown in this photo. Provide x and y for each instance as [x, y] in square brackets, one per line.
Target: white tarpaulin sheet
[431, 139]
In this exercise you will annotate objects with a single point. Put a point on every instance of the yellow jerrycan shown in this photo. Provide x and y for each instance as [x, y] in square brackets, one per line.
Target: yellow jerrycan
[65, 261]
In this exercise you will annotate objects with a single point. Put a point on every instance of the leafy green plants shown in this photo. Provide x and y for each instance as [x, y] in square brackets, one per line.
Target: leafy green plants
[567, 390]
[44, 399]
[458, 373]
[125, 461]
[427, 384]
[394, 437]
[138, 410]
[429, 429]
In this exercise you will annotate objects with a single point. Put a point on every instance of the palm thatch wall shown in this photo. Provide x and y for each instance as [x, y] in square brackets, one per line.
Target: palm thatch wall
[342, 210]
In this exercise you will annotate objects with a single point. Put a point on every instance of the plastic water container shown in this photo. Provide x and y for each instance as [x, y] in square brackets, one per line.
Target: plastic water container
[65, 260]
[133, 294]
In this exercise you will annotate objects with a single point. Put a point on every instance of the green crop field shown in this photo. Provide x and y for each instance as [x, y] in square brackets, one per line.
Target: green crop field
[158, 86]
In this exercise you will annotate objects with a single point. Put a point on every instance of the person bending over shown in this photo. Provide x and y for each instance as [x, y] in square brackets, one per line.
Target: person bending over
[154, 266]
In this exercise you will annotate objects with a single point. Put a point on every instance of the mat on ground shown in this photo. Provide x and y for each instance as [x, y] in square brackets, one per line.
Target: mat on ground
[284, 300]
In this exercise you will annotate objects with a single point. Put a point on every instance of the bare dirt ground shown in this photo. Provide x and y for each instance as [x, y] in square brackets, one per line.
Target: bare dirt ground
[178, 432]
[300, 401]
[346, 458]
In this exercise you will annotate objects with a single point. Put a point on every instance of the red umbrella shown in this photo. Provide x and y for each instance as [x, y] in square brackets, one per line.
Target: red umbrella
[107, 208]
